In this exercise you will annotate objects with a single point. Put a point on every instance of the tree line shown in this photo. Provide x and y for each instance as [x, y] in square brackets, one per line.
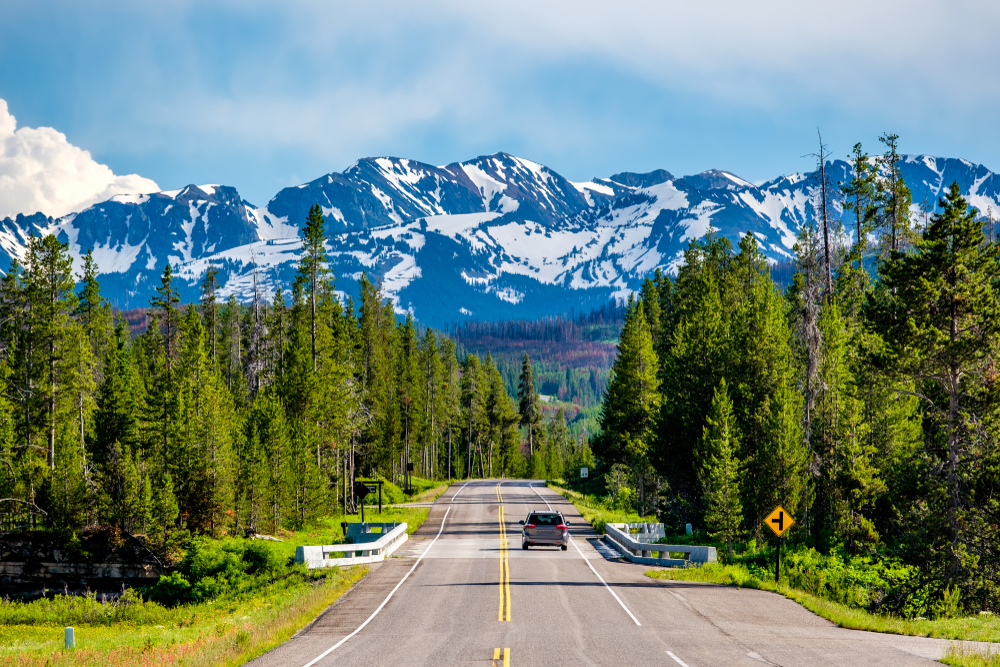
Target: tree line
[863, 401]
[229, 418]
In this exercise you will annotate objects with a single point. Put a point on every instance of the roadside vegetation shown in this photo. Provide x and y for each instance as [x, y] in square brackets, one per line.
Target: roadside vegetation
[861, 398]
[224, 601]
[857, 592]
[600, 505]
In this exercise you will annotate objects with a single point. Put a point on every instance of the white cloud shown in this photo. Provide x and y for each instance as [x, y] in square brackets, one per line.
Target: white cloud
[41, 171]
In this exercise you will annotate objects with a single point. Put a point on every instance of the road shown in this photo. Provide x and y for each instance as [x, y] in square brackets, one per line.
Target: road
[457, 595]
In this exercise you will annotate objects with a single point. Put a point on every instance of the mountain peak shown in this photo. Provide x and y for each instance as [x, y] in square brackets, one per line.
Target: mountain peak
[716, 179]
[499, 236]
[635, 180]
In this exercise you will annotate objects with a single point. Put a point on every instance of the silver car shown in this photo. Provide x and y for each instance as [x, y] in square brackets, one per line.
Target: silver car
[545, 529]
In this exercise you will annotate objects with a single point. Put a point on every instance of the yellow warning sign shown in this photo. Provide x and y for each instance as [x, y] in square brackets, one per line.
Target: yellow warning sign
[779, 521]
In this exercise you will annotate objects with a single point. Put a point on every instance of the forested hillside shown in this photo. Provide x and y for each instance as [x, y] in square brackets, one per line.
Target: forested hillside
[571, 358]
[222, 418]
[866, 405]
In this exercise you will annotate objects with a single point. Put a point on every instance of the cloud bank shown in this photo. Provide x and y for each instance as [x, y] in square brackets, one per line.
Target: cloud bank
[41, 171]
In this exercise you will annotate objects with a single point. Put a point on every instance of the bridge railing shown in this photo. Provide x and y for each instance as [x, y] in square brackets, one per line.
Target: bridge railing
[365, 546]
[638, 547]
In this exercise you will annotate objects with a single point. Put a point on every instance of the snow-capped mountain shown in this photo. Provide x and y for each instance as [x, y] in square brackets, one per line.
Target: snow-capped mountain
[494, 237]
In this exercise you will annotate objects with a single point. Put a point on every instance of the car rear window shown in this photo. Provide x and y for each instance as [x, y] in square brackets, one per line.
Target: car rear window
[545, 519]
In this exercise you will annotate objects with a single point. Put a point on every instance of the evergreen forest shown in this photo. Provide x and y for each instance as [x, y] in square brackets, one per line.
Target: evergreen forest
[861, 395]
[864, 401]
[223, 418]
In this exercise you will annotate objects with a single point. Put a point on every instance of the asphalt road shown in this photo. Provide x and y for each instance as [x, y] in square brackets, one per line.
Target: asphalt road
[459, 596]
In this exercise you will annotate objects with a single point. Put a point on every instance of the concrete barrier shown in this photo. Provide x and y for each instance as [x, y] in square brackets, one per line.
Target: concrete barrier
[375, 546]
[638, 547]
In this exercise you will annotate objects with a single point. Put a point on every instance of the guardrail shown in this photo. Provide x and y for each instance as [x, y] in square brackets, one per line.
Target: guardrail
[375, 546]
[638, 547]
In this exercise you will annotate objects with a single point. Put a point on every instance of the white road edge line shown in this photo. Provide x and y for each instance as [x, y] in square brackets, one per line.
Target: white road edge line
[596, 573]
[676, 659]
[375, 613]
[460, 490]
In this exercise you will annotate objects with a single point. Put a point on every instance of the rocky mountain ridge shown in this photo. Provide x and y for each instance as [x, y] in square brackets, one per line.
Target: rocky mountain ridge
[493, 238]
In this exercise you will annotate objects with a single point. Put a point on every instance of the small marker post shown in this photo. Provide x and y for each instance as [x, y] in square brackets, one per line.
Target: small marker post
[70, 638]
[779, 522]
[777, 561]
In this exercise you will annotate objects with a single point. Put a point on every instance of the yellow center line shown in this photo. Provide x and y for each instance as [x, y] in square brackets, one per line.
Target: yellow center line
[506, 657]
[503, 614]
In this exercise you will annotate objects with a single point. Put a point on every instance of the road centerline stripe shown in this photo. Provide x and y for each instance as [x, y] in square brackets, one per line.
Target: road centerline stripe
[503, 613]
[386, 600]
[596, 573]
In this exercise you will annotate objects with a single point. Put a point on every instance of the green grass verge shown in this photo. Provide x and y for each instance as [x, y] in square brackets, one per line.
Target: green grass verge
[967, 656]
[227, 630]
[219, 632]
[982, 627]
[594, 511]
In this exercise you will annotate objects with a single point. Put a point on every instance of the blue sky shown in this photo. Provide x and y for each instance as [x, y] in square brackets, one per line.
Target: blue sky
[261, 95]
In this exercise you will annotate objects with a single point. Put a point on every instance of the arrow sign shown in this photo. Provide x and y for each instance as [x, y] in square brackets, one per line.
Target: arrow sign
[779, 521]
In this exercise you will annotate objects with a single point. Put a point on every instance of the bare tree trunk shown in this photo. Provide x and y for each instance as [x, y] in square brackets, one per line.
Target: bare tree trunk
[52, 404]
[825, 215]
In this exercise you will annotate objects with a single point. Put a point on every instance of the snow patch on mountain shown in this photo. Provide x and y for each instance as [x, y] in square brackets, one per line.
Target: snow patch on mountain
[497, 236]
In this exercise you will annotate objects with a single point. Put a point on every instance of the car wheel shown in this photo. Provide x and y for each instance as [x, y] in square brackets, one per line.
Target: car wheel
[525, 546]
[563, 547]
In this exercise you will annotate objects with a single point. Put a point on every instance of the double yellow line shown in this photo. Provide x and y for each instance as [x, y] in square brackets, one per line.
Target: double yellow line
[504, 613]
[497, 660]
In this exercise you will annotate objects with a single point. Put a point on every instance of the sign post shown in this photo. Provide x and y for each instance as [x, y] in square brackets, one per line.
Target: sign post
[584, 472]
[779, 521]
[362, 489]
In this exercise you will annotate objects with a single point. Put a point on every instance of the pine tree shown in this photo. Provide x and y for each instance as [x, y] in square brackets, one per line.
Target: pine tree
[894, 198]
[210, 309]
[50, 289]
[527, 403]
[696, 356]
[632, 400]
[860, 197]
[450, 417]
[472, 409]
[312, 269]
[939, 320]
[719, 470]
[762, 387]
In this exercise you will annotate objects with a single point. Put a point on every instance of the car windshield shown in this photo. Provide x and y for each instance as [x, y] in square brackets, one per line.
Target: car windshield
[545, 519]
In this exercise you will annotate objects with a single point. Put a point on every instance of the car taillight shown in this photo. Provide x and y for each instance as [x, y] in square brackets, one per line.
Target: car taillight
[529, 525]
[562, 526]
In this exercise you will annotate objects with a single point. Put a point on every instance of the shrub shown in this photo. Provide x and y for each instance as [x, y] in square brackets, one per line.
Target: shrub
[219, 568]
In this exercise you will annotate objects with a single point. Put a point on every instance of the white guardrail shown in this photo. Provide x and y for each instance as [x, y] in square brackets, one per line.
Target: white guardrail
[638, 547]
[356, 553]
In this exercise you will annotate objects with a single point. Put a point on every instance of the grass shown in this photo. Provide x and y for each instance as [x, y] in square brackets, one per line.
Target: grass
[218, 632]
[595, 511]
[227, 630]
[960, 655]
[981, 627]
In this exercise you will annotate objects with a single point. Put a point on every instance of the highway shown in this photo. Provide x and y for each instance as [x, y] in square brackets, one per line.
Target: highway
[461, 591]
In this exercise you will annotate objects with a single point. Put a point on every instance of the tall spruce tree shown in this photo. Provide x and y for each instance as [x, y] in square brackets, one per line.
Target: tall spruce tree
[527, 403]
[939, 321]
[719, 470]
[313, 269]
[894, 197]
[632, 400]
